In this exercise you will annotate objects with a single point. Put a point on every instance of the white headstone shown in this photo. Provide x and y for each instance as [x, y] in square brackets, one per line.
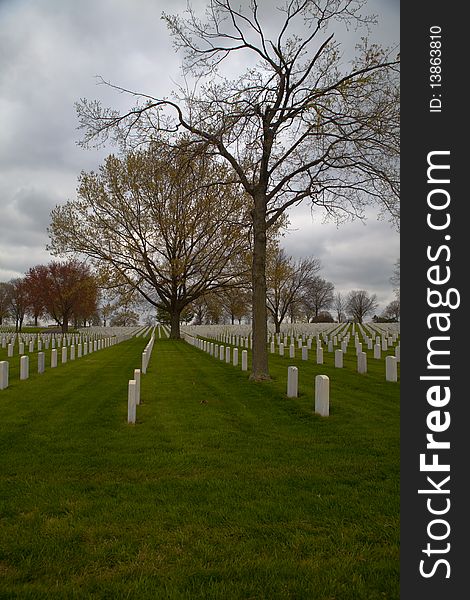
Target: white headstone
[292, 351]
[244, 360]
[10, 350]
[4, 364]
[24, 367]
[322, 395]
[292, 382]
[53, 358]
[131, 404]
[137, 385]
[64, 354]
[227, 354]
[319, 356]
[397, 353]
[235, 357]
[377, 352]
[339, 359]
[41, 362]
[362, 362]
[391, 368]
[281, 349]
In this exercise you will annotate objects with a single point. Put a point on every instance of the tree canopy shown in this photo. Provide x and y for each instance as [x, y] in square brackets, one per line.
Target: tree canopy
[166, 223]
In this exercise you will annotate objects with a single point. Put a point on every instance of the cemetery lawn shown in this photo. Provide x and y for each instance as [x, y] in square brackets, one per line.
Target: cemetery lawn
[223, 488]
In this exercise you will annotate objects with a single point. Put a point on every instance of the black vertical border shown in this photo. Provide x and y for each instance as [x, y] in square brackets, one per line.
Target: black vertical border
[421, 132]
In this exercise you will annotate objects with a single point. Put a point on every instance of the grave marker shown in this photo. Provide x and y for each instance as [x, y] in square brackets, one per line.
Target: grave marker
[4, 364]
[339, 359]
[391, 368]
[292, 382]
[41, 362]
[131, 401]
[322, 395]
[24, 367]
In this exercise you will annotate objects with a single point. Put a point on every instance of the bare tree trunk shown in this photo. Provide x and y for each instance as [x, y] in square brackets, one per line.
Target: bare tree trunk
[259, 366]
[175, 324]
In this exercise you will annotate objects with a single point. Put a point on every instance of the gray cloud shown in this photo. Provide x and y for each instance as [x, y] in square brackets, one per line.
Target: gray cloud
[50, 53]
[354, 255]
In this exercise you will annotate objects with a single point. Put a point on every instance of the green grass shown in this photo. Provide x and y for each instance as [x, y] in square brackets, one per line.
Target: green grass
[222, 489]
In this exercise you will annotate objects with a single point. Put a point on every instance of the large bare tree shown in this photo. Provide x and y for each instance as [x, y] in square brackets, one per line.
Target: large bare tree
[165, 223]
[298, 121]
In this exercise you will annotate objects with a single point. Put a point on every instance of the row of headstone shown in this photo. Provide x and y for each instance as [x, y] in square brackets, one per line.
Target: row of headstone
[40, 342]
[133, 387]
[224, 353]
[133, 396]
[217, 350]
[66, 353]
[147, 353]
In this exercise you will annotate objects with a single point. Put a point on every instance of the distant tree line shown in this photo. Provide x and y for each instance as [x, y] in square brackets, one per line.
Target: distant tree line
[69, 293]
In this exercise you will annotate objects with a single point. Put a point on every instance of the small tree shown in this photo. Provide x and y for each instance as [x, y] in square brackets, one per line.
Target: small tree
[317, 295]
[339, 304]
[285, 280]
[18, 301]
[236, 303]
[125, 318]
[68, 290]
[360, 303]
[392, 310]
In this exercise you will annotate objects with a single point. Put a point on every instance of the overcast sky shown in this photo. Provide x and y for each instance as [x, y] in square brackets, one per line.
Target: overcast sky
[50, 53]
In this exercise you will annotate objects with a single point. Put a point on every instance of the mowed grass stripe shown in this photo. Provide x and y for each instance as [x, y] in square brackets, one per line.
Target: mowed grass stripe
[223, 489]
